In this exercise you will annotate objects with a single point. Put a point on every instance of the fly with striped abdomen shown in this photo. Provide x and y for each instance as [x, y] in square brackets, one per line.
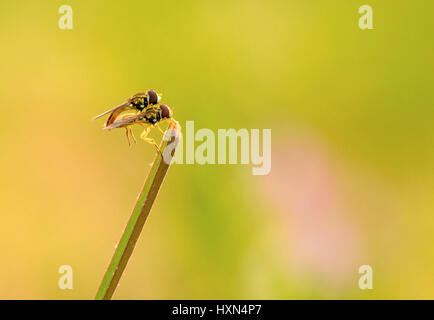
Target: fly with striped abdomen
[148, 119]
[137, 102]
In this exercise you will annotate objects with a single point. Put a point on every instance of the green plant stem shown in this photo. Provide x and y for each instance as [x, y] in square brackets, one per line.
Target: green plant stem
[140, 213]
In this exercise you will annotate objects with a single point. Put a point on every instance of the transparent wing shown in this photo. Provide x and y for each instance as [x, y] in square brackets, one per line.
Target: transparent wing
[124, 120]
[118, 109]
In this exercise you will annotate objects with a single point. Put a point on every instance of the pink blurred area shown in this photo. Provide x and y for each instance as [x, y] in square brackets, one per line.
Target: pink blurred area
[316, 225]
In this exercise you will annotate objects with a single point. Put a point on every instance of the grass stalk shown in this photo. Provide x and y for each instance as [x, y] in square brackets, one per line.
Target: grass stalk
[140, 212]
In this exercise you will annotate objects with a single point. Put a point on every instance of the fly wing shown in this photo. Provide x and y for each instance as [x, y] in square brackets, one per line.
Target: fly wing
[113, 116]
[117, 110]
[125, 120]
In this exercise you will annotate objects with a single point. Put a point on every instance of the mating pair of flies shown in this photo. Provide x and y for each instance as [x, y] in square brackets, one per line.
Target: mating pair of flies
[147, 113]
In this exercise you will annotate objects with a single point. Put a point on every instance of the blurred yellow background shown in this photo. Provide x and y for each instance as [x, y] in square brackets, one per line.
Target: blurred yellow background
[351, 114]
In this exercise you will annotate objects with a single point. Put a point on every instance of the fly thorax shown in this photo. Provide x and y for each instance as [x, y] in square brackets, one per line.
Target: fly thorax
[139, 103]
[152, 115]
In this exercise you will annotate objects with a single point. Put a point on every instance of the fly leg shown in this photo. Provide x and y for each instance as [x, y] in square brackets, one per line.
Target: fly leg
[149, 140]
[132, 134]
[128, 136]
[158, 127]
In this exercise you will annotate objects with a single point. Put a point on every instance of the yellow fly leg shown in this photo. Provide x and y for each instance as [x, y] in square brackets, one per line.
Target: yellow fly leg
[132, 134]
[128, 136]
[149, 140]
[159, 129]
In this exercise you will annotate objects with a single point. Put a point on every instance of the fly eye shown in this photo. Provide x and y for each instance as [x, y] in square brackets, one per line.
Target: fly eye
[152, 97]
[165, 111]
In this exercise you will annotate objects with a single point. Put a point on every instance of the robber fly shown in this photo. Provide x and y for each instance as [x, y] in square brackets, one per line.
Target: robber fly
[148, 119]
[137, 102]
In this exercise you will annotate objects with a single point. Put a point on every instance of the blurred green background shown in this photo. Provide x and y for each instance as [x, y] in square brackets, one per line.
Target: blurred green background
[351, 114]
